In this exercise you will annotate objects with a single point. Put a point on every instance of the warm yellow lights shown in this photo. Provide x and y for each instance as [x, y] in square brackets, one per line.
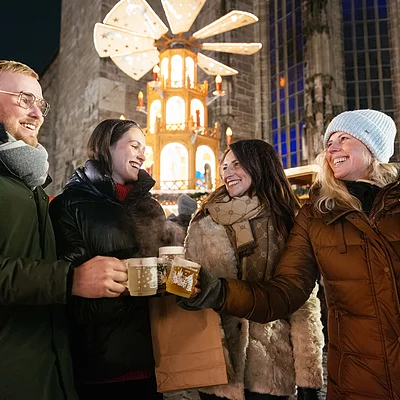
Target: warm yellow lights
[228, 134]
[175, 111]
[156, 71]
[122, 116]
[140, 106]
[197, 118]
[218, 87]
[218, 83]
[183, 150]
[282, 81]
[174, 166]
[176, 70]
[148, 163]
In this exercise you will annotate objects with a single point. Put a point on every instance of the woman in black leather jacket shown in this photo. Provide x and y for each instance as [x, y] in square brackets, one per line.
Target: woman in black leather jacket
[106, 209]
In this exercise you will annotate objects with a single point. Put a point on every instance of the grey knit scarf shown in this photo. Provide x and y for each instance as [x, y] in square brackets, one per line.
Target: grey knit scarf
[26, 162]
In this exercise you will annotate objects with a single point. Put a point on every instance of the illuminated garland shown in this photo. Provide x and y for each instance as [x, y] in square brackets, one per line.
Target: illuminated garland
[167, 199]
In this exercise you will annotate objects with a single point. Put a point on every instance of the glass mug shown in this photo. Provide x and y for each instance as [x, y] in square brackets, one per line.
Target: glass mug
[142, 276]
[166, 255]
[162, 275]
[182, 277]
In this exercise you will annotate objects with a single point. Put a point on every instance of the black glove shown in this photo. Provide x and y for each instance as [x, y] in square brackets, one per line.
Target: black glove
[211, 295]
[309, 394]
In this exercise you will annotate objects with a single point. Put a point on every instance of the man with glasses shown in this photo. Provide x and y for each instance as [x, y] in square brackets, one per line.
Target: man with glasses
[34, 287]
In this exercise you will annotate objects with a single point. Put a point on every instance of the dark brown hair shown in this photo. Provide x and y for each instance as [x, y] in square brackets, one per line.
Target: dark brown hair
[269, 182]
[105, 134]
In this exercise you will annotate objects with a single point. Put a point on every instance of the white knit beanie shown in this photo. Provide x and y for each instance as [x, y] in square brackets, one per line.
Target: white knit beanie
[373, 128]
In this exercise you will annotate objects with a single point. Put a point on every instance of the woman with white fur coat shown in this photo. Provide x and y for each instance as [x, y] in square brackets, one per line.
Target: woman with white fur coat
[240, 232]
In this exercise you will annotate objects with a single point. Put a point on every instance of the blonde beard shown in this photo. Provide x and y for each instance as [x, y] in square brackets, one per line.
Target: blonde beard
[28, 139]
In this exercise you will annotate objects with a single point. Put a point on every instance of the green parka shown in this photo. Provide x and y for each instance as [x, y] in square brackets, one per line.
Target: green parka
[34, 350]
[358, 257]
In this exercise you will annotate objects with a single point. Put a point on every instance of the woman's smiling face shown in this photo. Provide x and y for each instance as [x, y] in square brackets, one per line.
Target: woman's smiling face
[237, 180]
[348, 157]
[128, 156]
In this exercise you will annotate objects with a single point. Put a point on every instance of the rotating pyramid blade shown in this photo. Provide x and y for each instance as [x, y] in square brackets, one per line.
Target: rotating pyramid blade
[137, 64]
[234, 19]
[237, 48]
[213, 67]
[181, 14]
[112, 41]
[136, 16]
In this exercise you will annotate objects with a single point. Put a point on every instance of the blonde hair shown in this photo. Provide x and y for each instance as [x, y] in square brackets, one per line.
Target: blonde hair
[17, 68]
[332, 193]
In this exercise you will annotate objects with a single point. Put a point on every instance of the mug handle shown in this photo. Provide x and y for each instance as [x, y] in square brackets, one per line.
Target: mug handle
[127, 269]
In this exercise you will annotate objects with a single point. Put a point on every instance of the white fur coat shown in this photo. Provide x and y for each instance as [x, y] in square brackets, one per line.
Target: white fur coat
[267, 358]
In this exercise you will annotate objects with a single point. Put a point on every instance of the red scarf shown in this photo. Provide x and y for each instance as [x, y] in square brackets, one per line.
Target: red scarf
[122, 191]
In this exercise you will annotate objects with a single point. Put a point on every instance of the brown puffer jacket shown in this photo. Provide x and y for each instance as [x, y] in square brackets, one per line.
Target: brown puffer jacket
[359, 260]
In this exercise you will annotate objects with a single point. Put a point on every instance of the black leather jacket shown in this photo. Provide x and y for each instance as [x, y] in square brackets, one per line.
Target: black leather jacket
[109, 337]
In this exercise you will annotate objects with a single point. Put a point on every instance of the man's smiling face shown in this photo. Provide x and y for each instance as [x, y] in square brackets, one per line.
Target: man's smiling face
[22, 124]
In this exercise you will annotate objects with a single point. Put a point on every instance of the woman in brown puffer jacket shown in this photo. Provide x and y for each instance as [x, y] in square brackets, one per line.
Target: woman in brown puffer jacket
[350, 233]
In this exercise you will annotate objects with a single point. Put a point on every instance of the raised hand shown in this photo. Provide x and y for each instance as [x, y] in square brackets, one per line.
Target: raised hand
[208, 293]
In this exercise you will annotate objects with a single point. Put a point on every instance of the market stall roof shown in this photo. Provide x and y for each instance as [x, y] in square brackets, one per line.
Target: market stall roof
[304, 175]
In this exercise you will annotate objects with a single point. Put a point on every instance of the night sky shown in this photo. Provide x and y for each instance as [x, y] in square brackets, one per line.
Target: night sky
[30, 31]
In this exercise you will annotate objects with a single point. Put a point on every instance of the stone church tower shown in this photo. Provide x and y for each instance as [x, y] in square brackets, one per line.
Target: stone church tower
[313, 65]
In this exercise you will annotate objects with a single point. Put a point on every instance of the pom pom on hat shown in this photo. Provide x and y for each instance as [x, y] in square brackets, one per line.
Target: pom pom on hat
[373, 128]
[186, 205]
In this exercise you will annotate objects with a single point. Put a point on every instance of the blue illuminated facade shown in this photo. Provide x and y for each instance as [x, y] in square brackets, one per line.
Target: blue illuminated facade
[367, 64]
[367, 55]
[286, 48]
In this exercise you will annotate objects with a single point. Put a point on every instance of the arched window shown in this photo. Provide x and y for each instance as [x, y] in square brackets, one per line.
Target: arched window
[189, 71]
[197, 105]
[164, 69]
[205, 168]
[174, 166]
[148, 164]
[176, 71]
[155, 111]
[175, 112]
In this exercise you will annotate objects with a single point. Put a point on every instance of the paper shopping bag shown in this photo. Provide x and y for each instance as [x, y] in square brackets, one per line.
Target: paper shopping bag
[187, 346]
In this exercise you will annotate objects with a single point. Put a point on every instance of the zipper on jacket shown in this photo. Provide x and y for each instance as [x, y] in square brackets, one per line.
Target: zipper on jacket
[338, 316]
[378, 311]
[42, 223]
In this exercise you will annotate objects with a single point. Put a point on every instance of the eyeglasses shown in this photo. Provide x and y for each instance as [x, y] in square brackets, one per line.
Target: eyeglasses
[27, 100]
